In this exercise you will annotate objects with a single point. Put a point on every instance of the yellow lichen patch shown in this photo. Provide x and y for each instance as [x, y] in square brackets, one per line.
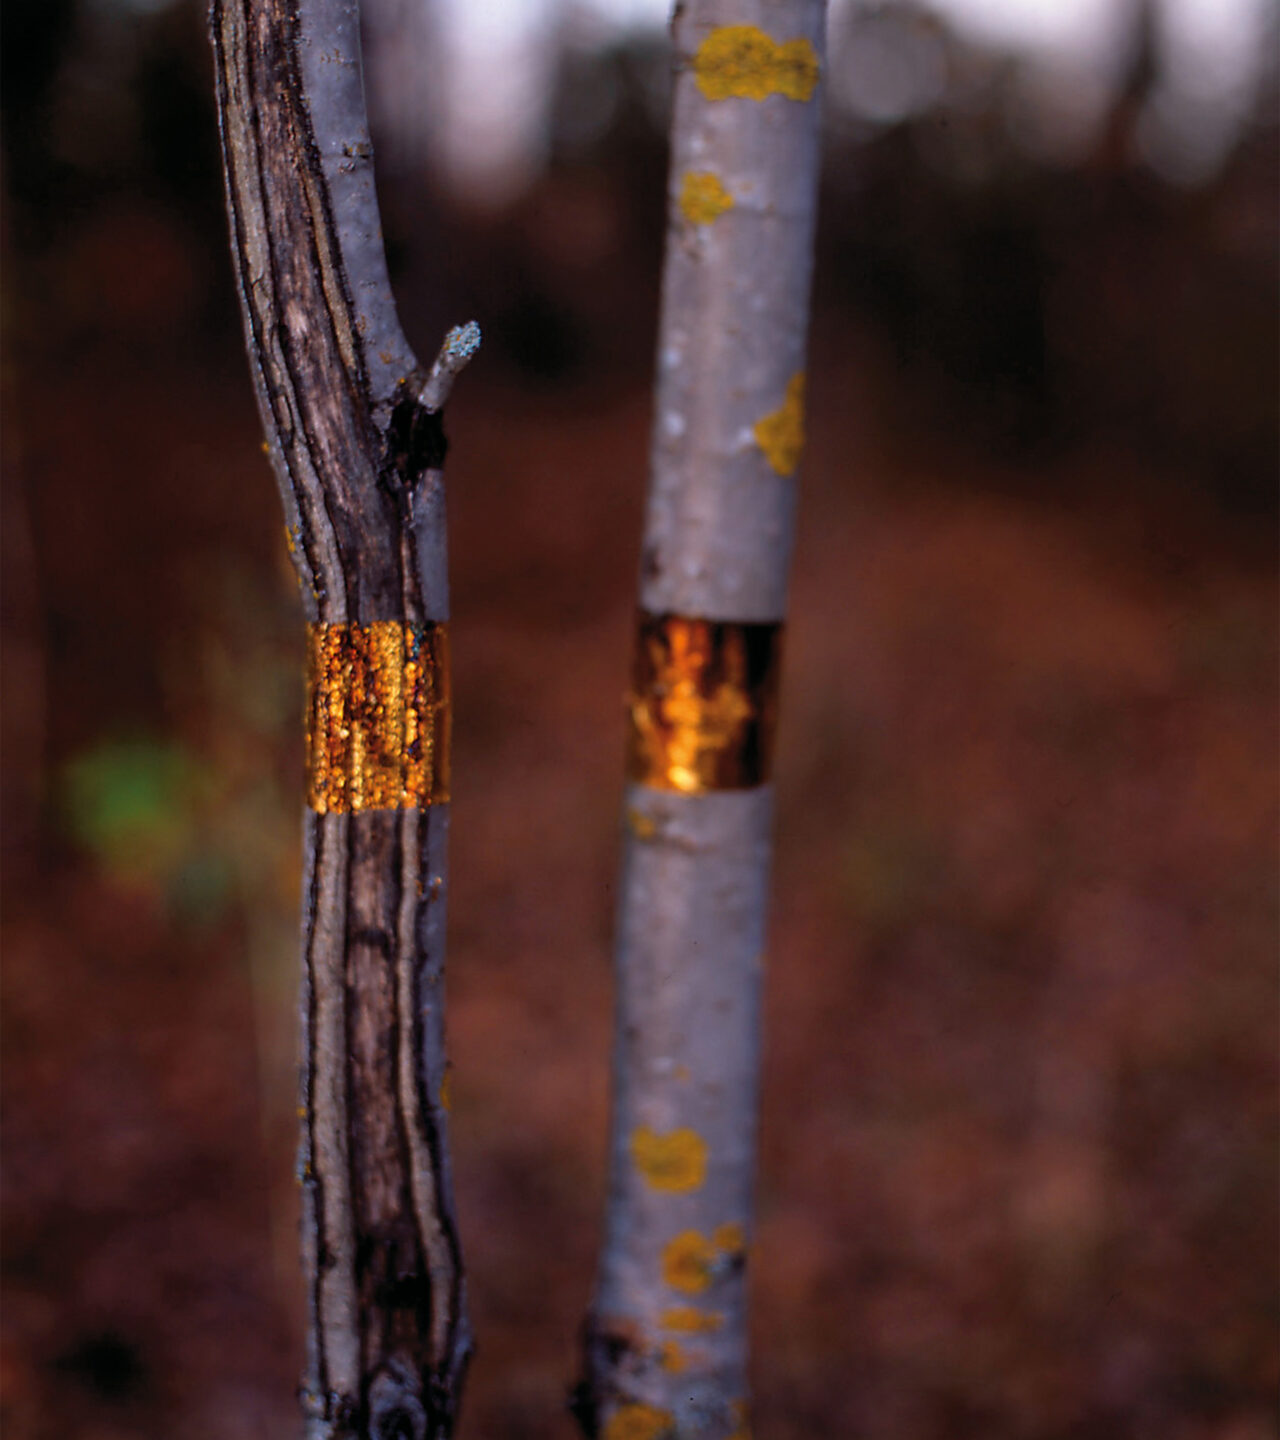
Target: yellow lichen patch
[675, 1161]
[642, 826]
[742, 61]
[671, 1357]
[685, 1320]
[686, 1262]
[637, 1422]
[703, 198]
[781, 435]
[729, 1238]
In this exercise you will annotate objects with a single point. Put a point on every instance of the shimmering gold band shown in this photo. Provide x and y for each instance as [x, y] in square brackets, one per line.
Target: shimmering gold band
[703, 703]
[377, 716]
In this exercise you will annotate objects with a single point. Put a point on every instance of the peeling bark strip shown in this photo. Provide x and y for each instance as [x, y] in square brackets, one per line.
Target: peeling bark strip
[666, 1338]
[377, 716]
[703, 704]
[355, 437]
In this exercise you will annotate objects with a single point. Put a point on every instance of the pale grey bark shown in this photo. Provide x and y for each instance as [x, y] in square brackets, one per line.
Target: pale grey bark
[666, 1337]
[690, 956]
[356, 442]
[735, 308]
[329, 59]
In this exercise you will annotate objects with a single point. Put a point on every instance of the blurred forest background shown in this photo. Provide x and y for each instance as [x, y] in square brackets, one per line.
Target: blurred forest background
[1018, 1162]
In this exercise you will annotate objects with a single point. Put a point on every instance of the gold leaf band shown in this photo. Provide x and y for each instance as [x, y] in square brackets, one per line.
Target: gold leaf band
[378, 716]
[703, 703]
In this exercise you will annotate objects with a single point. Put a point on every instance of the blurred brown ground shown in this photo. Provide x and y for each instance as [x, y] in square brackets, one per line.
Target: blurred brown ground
[1018, 1163]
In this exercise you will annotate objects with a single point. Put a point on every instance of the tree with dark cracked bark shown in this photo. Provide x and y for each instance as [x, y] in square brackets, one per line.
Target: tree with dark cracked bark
[666, 1352]
[353, 427]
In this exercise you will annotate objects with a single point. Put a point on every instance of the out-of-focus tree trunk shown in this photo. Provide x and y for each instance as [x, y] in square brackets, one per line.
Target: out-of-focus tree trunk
[666, 1337]
[354, 433]
[404, 61]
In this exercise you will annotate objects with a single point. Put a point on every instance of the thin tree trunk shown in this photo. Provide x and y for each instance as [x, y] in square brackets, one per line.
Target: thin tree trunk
[355, 437]
[666, 1337]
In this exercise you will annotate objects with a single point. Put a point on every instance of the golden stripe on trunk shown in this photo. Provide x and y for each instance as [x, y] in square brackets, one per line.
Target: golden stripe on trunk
[703, 703]
[377, 716]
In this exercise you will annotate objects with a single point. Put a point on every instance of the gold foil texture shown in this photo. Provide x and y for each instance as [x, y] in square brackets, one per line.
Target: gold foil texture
[377, 716]
[703, 703]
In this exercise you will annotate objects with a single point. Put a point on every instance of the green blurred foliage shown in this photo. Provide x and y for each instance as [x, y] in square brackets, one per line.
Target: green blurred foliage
[132, 803]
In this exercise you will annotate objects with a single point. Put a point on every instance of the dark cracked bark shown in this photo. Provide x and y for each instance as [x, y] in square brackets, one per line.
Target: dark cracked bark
[354, 433]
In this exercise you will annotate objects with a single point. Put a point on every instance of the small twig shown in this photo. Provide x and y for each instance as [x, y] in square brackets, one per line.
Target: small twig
[460, 344]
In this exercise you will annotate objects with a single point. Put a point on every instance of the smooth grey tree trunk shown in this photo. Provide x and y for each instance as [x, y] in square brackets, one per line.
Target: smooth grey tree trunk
[666, 1347]
[355, 437]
